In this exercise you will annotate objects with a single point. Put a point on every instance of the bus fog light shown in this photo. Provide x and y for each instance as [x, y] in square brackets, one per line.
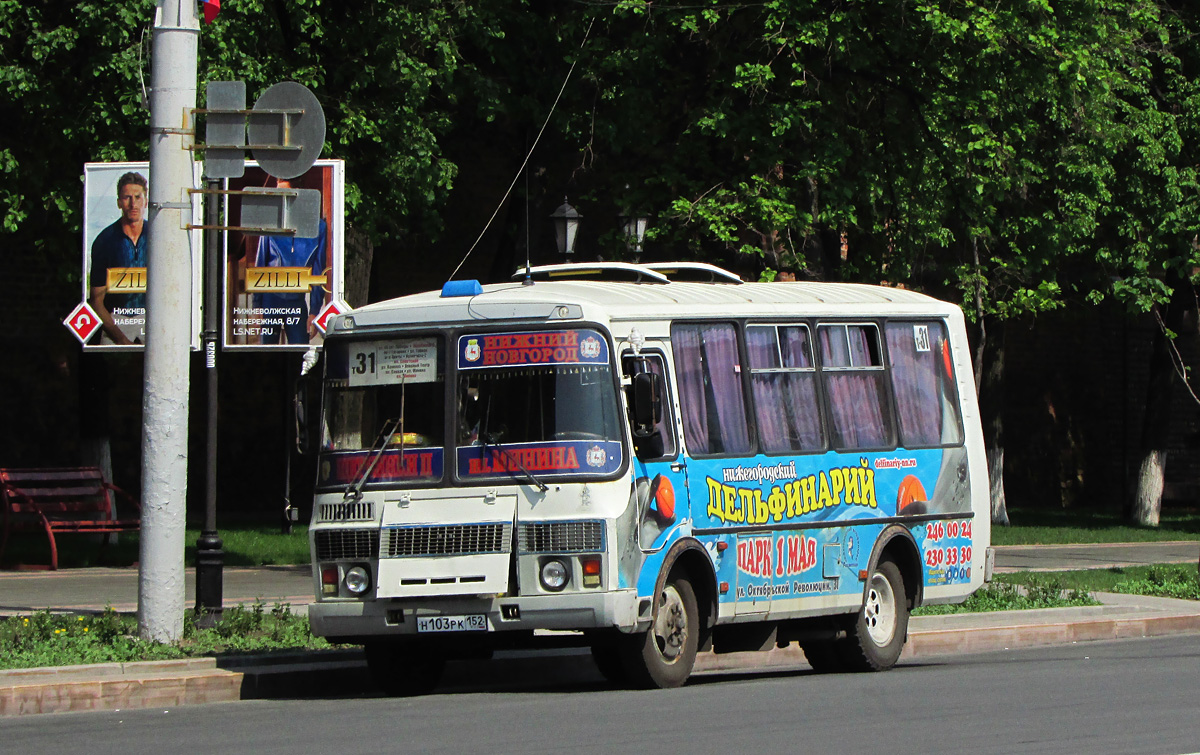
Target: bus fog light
[590, 566]
[555, 575]
[358, 580]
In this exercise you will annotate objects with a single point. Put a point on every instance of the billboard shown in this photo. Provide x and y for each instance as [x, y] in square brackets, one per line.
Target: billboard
[116, 219]
[276, 286]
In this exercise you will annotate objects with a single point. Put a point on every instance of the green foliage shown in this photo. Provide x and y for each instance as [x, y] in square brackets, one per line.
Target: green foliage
[1036, 592]
[1162, 580]
[1165, 581]
[384, 73]
[46, 639]
[1016, 155]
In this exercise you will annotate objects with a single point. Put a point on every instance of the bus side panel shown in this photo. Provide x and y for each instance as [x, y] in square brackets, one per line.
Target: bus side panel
[664, 516]
[780, 529]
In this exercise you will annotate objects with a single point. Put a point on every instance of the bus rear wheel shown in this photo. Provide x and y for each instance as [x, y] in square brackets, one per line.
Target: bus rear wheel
[404, 669]
[877, 637]
[663, 657]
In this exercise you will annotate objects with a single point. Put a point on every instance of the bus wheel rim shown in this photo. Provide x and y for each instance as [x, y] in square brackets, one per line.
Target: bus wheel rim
[670, 626]
[879, 611]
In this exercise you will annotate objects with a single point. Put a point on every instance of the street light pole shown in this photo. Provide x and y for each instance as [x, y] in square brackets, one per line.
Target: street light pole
[210, 558]
[168, 323]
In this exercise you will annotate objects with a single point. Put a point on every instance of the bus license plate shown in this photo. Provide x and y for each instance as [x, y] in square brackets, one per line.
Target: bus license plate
[475, 622]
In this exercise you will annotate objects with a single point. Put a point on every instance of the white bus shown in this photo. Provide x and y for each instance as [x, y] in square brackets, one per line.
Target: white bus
[649, 460]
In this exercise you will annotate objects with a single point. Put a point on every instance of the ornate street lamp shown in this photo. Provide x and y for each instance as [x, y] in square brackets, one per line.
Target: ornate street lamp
[634, 228]
[566, 226]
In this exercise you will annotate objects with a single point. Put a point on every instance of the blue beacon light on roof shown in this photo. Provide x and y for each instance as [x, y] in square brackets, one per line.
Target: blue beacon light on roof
[461, 288]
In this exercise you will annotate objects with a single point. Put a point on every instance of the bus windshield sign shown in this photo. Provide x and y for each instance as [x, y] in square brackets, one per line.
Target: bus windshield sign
[546, 347]
[393, 362]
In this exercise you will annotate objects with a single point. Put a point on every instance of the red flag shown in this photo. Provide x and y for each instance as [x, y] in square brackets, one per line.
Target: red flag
[211, 9]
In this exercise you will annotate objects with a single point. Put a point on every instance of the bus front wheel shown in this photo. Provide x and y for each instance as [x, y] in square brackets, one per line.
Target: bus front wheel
[663, 657]
[404, 669]
[877, 637]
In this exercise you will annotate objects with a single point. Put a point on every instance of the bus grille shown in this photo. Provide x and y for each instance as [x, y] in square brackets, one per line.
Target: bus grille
[448, 540]
[339, 544]
[562, 537]
[348, 511]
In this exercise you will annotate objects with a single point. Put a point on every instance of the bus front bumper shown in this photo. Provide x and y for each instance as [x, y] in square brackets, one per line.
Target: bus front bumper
[351, 620]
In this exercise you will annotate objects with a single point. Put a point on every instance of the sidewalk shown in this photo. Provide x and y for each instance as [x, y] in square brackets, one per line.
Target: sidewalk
[173, 683]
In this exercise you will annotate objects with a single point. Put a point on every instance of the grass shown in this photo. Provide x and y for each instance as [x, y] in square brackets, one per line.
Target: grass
[1034, 592]
[1160, 580]
[45, 639]
[1075, 526]
[244, 545]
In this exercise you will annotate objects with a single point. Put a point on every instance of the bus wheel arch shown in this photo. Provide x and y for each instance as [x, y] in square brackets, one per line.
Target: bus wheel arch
[891, 589]
[681, 613]
[689, 557]
[896, 544]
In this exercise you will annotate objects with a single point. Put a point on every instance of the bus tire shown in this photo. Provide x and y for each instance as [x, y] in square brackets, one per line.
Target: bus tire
[663, 657]
[404, 669]
[607, 656]
[877, 637]
[825, 656]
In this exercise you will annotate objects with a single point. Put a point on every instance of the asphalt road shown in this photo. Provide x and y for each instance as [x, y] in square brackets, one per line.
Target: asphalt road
[1117, 697]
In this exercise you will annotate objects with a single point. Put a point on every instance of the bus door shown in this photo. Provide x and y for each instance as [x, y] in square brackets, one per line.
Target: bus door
[660, 474]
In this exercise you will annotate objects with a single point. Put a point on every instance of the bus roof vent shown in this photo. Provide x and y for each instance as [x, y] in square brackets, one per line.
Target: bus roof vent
[695, 272]
[593, 271]
[461, 288]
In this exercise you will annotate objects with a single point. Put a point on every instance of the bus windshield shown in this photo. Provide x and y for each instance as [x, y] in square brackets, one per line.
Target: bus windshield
[537, 405]
[541, 403]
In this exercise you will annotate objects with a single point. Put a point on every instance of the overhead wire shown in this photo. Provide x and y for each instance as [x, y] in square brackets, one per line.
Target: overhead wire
[528, 154]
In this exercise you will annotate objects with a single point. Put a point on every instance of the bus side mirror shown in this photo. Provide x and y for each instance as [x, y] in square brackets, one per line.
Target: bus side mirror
[307, 402]
[647, 403]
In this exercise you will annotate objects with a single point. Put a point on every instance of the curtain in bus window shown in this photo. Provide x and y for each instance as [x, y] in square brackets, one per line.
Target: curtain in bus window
[785, 398]
[855, 386]
[689, 371]
[923, 379]
[802, 389]
[706, 359]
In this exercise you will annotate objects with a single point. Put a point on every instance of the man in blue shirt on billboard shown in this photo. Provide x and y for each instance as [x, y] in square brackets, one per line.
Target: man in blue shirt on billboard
[122, 245]
[291, 313]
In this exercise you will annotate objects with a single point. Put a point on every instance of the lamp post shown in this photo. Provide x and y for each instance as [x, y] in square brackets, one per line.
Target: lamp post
[566, 226]
[634, 227]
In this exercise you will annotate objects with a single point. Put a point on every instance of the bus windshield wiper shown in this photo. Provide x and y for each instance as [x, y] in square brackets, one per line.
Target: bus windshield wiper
[354, 489]
[489, 439]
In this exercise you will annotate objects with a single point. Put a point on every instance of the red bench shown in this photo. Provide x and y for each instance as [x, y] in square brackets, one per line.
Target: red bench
[74, 500]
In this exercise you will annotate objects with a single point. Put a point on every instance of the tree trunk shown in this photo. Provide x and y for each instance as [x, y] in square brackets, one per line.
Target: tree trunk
[991, 410]
[360, 253]
[1151, 476]
[1146, 504]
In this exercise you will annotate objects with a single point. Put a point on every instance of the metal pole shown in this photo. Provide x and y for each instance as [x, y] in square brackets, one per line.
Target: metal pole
[168, 323]
[210, 558]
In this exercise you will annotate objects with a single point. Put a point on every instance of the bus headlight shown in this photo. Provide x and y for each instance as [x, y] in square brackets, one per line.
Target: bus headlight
[358, 580]
[555, 575]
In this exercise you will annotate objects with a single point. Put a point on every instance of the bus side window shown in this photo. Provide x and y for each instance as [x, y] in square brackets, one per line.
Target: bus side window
[855, 385]
[662, 443]
[923, 380]
[708, 368]
[783, 381]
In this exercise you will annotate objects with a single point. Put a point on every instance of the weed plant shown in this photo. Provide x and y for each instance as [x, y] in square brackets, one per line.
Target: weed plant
[1165, 581]
[1000, 596]
[47, 639]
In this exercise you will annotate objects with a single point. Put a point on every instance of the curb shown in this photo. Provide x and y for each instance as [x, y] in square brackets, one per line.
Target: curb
[167, 684]
[116, 686]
